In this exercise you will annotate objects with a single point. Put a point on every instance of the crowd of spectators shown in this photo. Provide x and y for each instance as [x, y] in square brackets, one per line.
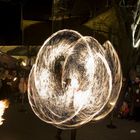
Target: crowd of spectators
[130, 106]
[13, 85]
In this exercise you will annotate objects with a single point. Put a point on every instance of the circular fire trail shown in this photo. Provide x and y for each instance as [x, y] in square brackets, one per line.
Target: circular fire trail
[74, 80]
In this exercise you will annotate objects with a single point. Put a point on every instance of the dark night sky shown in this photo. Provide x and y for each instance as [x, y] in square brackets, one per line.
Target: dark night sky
[10, 17]
[9, 23]
[10, 14]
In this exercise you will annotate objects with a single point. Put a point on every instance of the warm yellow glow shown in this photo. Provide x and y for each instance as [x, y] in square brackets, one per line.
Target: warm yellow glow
[23, 63]
[15, 78]
[7, 48]
[27, 23]
[24, 58]
[3, 105]
[71, 93]
[112, 103]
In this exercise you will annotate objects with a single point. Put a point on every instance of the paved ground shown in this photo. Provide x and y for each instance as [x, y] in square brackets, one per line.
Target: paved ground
[26, 126]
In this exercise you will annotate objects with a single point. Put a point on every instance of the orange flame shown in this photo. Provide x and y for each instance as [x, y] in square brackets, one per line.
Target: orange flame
[3, 105]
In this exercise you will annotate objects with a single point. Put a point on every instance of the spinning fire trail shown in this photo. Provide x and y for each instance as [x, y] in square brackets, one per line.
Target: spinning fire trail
[74, 80]
[136, 27]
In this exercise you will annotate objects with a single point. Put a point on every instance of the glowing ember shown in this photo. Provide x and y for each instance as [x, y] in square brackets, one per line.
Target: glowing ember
[136, 27]
[3, 105]
[74, 80]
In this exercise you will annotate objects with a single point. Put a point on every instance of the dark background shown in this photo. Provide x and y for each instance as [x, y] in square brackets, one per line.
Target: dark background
[12, 12]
